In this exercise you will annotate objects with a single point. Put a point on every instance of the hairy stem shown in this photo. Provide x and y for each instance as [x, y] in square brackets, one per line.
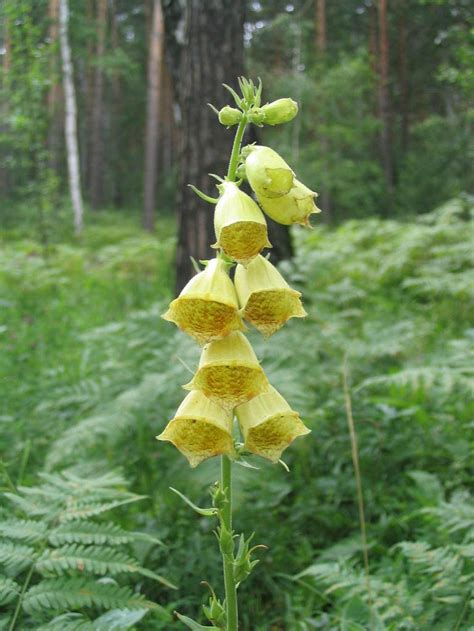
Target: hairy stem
[234, 156]
[228, 560]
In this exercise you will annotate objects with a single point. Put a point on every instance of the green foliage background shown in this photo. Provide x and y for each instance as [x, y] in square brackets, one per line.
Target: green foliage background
[91, 374]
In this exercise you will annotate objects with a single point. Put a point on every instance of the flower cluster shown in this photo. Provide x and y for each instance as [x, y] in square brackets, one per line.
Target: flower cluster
[213, 309]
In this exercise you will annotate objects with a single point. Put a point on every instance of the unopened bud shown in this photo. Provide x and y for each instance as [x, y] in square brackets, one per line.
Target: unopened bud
[229, 116]
[279, 111]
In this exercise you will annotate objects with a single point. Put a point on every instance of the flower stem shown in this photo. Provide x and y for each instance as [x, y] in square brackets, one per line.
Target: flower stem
[234, 156]
[228, 560]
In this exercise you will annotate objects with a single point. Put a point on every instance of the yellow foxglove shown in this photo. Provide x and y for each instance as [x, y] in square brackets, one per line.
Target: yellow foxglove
[269, 425]
[229, 372]
[207, 308]
[268, 174]
[294, 207]
[200, 429]
[266, 299]
[241, 229]
[279, 111]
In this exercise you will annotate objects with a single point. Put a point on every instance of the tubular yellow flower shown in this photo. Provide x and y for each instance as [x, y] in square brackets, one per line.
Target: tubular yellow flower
[207, 308]
[200, 429]
[269, 425]
[229, 372]
[241, 229]
[295, 207]
[268, 174]
[266, 299]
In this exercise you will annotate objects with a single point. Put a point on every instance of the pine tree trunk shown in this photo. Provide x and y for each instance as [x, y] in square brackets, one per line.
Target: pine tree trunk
[70, 120]
[384, 100]
[321, 26]
[321, 45]
[212, 54]
[153, 115]
[403, 75]
[97, 147]
[55, 96]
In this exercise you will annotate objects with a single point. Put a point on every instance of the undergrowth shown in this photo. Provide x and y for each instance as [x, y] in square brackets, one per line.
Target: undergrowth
[89, 378]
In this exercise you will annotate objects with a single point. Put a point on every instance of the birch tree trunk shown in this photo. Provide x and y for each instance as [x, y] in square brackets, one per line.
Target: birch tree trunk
[70, 119]
[153, 114]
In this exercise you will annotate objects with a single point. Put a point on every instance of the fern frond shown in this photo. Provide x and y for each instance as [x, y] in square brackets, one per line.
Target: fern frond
[65, 594]
[89, 533]
[26, 530]
[9, 590]
[80, 510]
[16, 557]
[69, 622]
[91, 559]
[98, 560]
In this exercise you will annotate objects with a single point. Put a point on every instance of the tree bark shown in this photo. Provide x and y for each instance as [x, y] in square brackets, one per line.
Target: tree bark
[55, 96]
[212, 54]
[70, 121]
[153, 116]
[384, 99]
[321, 27]
[403, 75]
[97, 140]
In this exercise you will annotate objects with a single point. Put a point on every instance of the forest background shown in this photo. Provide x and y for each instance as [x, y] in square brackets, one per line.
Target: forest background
[89, 374]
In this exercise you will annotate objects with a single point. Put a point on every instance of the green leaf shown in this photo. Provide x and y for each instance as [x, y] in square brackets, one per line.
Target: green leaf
[27, 530]
[65, 593]
[119, 619]
[16, 557]
[192, 624]
[99, 534]
[9, 590]
[205, 512]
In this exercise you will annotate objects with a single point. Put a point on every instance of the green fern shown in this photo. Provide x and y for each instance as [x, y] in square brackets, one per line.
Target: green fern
[65, 548]
[15, 557]
[66, 594]
[9, 590]
[95, 533]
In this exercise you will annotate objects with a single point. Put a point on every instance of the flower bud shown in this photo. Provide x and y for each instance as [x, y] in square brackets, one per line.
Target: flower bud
[268, 174]
[269, 425]
[256, 116]
[240, 226]
[206, 309]
[280, 111]
[200, 429]
[295, 207]
[266, 299]
[229, 116]
[229, 373]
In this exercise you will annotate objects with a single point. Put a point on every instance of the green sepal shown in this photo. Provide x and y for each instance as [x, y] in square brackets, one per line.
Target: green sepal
[243, 565]
[192, 624]
[205, 512]
[226, 540]
[206, 198]
[219, 496]
[215, 612]
[237, 99]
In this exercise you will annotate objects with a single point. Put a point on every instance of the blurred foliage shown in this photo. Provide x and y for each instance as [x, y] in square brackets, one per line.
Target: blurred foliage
[92, 374]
